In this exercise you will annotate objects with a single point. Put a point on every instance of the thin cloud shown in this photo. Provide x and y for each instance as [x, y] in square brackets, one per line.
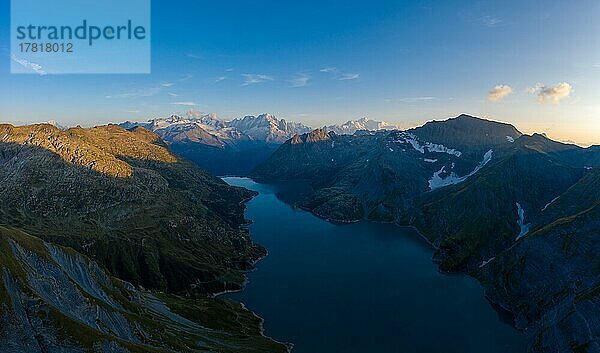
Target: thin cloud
[553, 94]
[499, 92]
[167, 84]
[173, 94]
[329, 70]
[347, 77]
[491, 21]
[138, 93]
[411, 100]
[193, 56]
[31, 66]
[186, 77]
[300, 80]
[416, 99]
[222, 78]
[185, 104]
[252, 79]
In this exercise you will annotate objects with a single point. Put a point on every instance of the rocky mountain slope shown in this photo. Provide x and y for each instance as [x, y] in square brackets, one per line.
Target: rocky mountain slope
[374, 175]
[550, 278]
[55, 300]
[516, 211]
[139, 213]
[126, 201]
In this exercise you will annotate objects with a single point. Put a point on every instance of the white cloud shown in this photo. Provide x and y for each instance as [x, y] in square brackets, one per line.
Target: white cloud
[251, 79]
[329, 70]
[166, 84]
[300, 80]
[185, 104]
[346, 77]
[221, 78]
[29, 65]
[553, 94]
[499, 92]
[193, 56]
[173, 94]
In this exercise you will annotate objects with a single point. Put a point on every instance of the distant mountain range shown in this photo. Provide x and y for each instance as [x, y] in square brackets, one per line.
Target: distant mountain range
[362, 124]
[237, 146]
[519, 212]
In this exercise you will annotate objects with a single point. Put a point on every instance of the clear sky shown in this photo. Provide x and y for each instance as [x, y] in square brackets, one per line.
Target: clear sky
[535, 64]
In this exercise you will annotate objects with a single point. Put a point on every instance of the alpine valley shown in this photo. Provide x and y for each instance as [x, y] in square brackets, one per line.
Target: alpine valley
[116, 239]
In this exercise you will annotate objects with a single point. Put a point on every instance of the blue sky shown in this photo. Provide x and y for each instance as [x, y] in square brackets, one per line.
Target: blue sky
[324, 62]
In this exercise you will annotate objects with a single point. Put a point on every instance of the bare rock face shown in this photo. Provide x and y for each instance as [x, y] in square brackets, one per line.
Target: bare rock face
[311, 137]
[53, 299]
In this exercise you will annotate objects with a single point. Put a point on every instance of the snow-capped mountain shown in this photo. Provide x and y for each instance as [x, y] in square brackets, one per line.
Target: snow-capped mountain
[362, 124]
[196, 126]
[268, 128]
[235, 147]
[221, 146]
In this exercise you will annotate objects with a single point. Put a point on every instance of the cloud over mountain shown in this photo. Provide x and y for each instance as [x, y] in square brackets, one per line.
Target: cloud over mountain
[553, 94]
[499, 92]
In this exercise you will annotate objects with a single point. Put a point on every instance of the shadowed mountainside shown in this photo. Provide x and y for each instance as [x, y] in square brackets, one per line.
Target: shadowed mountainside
[56, 300]
[518, 212]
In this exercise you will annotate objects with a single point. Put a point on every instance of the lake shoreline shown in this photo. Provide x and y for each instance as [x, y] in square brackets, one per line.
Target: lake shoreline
[426, 244]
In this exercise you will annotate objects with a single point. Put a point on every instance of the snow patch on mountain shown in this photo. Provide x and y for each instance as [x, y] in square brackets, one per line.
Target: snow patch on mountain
[550, 203]
[434, 147]
[437, 181]
[483, 263]
[524, 227]
[407, 137]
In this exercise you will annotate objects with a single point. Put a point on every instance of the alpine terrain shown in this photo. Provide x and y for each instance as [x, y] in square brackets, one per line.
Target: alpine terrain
[235, 147]
[111, 243]
[518, 212]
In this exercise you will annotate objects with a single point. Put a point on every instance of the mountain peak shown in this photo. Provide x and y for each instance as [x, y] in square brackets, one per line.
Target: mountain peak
[352, 126]
[313, 136]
